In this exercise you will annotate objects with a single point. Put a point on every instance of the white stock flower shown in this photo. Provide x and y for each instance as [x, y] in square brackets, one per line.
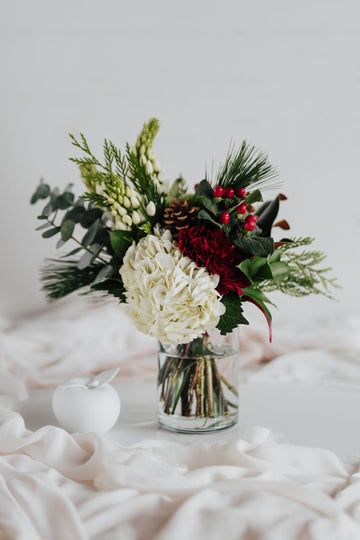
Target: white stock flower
[169, 297]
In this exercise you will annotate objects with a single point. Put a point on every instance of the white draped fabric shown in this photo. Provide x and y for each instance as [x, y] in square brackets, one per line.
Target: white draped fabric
[55, 485]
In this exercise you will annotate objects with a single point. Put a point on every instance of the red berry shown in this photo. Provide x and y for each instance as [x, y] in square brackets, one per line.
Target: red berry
[218, 191]
[196, 186]
[252, 217]
[241, 193]
[224, 218]
[229, 192]
[241, 209]
[249, 224]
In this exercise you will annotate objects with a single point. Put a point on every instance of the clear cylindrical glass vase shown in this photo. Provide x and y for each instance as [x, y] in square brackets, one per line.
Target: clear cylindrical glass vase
[198, 383]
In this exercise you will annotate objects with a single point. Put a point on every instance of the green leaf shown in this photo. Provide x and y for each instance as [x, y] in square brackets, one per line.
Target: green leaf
[203, 214]
[104, 273]
[255, 245]
[50, 232]
[62, 202]
[275, 256]
[120, 242]
[204, 188]
[48, 210]
[233, 315]
[75, 214]
[90, 215]
[254, 196]
[85, 260]
[205, 193]
[256, 269]
[90, 234]
[266, 215]
[178, 188]
[60, 243]
[42, 191]
[209, 204]
[111, 286]
[73, 252]
[44, 226]
[67, 229]
[279, 270]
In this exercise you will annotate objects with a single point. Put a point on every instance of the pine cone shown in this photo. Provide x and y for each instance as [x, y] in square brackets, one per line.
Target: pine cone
[179, 215]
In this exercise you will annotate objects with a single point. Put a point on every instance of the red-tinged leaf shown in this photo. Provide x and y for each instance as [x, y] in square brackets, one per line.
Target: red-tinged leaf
[248, 299]
[282, 197]
[283, 224]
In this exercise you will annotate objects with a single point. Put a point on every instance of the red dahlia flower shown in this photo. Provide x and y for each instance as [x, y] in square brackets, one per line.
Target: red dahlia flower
[212, 248]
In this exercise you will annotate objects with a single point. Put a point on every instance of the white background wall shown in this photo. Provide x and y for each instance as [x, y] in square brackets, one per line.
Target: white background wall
[284, 75]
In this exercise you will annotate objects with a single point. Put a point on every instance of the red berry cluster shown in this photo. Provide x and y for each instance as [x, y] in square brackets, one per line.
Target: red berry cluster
[228, 193]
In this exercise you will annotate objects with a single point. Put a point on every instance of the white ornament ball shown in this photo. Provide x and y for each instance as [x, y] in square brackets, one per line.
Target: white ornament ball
[80, 410]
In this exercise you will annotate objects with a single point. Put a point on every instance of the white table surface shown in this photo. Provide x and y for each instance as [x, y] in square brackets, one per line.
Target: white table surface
[317, 415]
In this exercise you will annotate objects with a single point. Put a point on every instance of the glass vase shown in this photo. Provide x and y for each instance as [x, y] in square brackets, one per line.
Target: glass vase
[198, 383]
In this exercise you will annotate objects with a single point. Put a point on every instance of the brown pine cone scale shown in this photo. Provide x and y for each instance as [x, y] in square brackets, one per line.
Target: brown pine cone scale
[179, 215]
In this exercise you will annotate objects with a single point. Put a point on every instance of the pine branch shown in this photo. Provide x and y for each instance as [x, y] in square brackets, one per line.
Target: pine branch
[246, 167]
[62, 278]
[305, 276]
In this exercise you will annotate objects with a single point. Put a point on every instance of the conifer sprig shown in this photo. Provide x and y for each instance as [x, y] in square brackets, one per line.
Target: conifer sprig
[247, 167]
[305, 276]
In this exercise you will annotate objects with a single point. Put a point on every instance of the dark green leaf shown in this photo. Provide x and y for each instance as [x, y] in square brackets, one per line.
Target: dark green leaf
[112, 286]
[44, 226]
[104, 273]
[204, 189]
[256, 269]
[47, 211]
[177, 189]
[255, 245]
[90, 234]
[60, 243]
[75, 214]
[233, 315]
[67, 229]
[120, 242]
[85, 260]
[267, 215]
[254, 196]
[63, 201]
[42, 191]
[90, 215]
[73, 252]
[50, 232]
[203, 214]
[279, 270]
[209, 204]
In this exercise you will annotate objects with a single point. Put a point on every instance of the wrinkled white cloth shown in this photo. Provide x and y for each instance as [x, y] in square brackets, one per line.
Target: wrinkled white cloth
[54, 485]
[89, 487]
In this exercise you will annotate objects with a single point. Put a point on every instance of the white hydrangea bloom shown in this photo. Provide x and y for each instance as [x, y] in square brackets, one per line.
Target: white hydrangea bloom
[169, 297]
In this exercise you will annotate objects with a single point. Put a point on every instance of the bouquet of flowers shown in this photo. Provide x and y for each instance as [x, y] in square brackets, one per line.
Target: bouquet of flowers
[184, 261]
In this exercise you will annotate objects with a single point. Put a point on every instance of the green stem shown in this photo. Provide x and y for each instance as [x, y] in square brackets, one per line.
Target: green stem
[230, 386]
[209, 381]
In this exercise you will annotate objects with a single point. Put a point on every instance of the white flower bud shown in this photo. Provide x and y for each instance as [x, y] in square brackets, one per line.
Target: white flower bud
[150, 154]
[149, 167]
[156, 165]
[135, 218]
[127, 220]
[134, 201]
[99, 189]
[151, 209]
[142, 150]
[126, 202]
[119, 225]
[143, 160]
[122, 211]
